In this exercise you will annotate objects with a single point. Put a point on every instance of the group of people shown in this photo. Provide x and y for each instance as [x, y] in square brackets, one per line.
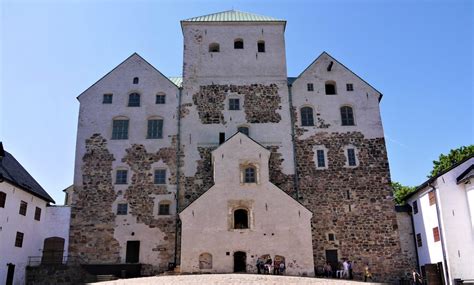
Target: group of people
[345, 270]
[268, 266]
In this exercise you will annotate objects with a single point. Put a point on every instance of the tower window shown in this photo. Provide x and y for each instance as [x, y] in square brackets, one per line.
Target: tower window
[135, 80]
[122, 209]
[310, 87]
[134, 100]
[347, 116]
[250, 175]
[330, 88]
[214, 47]
[239, 44]
[261, 46]
[234, 104]
[307, 116]
[107, 99]
[349, 87]
[241, 220]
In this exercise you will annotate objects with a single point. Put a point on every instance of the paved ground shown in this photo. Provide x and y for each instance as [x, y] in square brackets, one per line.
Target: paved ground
[231, 279]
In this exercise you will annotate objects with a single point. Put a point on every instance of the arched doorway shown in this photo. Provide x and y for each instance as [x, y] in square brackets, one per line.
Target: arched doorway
[240, 261]
[53, 250]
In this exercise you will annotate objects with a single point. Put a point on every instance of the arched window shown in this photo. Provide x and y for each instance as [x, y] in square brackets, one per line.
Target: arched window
[164, 208]
[261, 46]
[214, 47]
[205, 261]
[241, 219]
[307, 116]
[347, 116]
[134, 100]
[330, 88]
[243, 129]
[135, 80]
[250, 174]
[239, 44]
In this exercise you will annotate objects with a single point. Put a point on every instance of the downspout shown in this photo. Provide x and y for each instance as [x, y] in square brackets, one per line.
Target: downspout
[414, 239]
[441, 236]
[293, 140]
[178, 150]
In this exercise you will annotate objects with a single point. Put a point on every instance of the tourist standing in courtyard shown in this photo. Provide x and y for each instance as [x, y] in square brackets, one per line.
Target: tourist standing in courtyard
[367, 273]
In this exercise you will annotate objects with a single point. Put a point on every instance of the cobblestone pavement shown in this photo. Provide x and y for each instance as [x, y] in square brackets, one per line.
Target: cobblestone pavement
[231, 279]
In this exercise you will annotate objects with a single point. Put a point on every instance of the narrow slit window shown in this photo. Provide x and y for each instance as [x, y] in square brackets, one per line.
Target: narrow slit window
[351, 158]
[321, 158]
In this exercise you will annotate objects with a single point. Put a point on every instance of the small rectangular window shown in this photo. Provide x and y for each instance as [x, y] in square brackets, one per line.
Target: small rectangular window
[415, 207]
[310, 87]
[234, 104]
[121, 176]
[38, 213]
[120, 130]
[107, 99]
[122, 209]
[418, 240]
[331, 237]
[436, 234]
[160, 99]
[23, 208]
[135, 80]
[261, 46]
[321, 160]
[3, 199]
[155, 129]
[351, 157]
[160, 176]
[164, 209]
[134, 100]
[432, 197]
[221, 138]
[349, 87]
[19, 239]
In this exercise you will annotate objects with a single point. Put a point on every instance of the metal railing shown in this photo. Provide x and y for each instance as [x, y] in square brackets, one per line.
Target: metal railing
[55, 259]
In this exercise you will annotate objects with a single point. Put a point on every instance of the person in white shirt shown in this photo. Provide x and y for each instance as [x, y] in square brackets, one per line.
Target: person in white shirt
[345, 266]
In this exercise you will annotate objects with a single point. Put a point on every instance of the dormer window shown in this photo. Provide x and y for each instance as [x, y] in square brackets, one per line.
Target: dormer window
[250, 174]
[239, 44]
[214, 47]
[261, 46]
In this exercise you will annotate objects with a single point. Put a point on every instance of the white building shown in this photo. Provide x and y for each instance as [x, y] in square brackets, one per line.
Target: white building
[443, 217]
[31, 231]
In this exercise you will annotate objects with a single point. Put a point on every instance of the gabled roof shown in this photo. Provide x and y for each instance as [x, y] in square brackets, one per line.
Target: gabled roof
[134, 54]
[291, 80]
[233, 16]
[13, 172]
[469, 173]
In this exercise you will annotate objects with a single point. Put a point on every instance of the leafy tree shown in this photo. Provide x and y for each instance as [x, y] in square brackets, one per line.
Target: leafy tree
[446, 161]
[400, 192]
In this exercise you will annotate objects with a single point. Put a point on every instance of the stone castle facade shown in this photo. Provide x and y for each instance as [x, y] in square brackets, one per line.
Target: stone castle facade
[146, 148]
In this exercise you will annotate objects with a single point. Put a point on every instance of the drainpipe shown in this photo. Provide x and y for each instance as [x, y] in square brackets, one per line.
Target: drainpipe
[293, 138]
[441, 235]
[414, 240]
[178, 150]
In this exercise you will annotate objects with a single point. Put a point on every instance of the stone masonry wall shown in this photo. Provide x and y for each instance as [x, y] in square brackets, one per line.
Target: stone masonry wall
[277, 177]
[353, 203]
[196, 185]
[92, 218]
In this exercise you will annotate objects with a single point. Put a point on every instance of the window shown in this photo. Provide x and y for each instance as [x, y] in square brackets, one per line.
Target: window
[120, 129]
[214, 47]
[307, 116]
[331, 237]
[261, 46]
[160, 99]
[155, 129]
[244, 130]
[3, 199]
[221, 138]
[19, 239]
[321, 159]
[432, 197]
[349, 87]
[347, 116]
[234, 104]
[164, 209]
[419, 242]
[38, 213]
[330, 88]
[107, 99]
[250, 175]
[351, 157]
[239, 44]
[134, 100]
[121, 176]
[122, 209]
[23, 207]
[135, 80]
[415, 207]
[160, 176]
[310, 87]
[241, 220]
[436, 234]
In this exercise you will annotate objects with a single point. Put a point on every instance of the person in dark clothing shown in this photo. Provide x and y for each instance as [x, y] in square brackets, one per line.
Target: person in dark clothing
[350, 270]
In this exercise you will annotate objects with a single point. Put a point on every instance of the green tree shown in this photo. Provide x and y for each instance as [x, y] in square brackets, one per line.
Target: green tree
[454, 156]
[400, 192]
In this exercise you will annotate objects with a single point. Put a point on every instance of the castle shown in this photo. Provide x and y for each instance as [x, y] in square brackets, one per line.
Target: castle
[234, 161]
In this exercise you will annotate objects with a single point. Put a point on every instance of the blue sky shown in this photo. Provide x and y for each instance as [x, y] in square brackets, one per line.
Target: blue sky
[419, 54]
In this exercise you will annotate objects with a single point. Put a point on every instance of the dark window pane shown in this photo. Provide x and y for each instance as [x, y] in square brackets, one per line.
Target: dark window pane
[122, 209]
[160, 99]
[135, 80]
[244, 130]
[351, 157]
[241, 220]
[214, 47]
[261, 46]
[121, 177]
[330, 88]
[307, 116]
[234, 104]
[19, 239]
[3, 199]
[107, 99]
[38, 214]
[134, 100]
[415, 207]
[321, 160]
[310, 87]
[347, 116]
[249, 175]
[349, 87]
[23, 208]
[239, 44]
[164, 209]
[155, 129]
[419, 242]
[160, 176]
[120, 130]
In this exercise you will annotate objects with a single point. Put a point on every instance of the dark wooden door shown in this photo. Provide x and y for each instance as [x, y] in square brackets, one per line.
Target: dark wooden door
[331, 257]
[133, 251]
[10, 273]
[240, 261]
[53, 250]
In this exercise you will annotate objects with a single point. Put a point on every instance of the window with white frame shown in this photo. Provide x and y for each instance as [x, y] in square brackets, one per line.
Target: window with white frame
[160, 176]
[122, 209]
[121, 176]
[351, 153]
[320, 157]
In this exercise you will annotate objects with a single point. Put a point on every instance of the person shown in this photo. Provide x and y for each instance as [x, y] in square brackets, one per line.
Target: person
[350, 270]
[417, 280]
[268, 265]
[345, 268]
[259, 266]
[328, 270]
[282, 268]
[367, 273]
[276, 267]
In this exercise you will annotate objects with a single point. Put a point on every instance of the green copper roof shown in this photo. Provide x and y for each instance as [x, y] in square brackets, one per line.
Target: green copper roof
[233, 16]
[178, 81]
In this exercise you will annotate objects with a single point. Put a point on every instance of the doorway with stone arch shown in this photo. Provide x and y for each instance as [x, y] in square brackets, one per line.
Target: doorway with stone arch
[240, 261]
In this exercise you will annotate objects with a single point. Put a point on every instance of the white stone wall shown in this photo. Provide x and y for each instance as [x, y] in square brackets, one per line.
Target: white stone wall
[278, 224]
[54, 221]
